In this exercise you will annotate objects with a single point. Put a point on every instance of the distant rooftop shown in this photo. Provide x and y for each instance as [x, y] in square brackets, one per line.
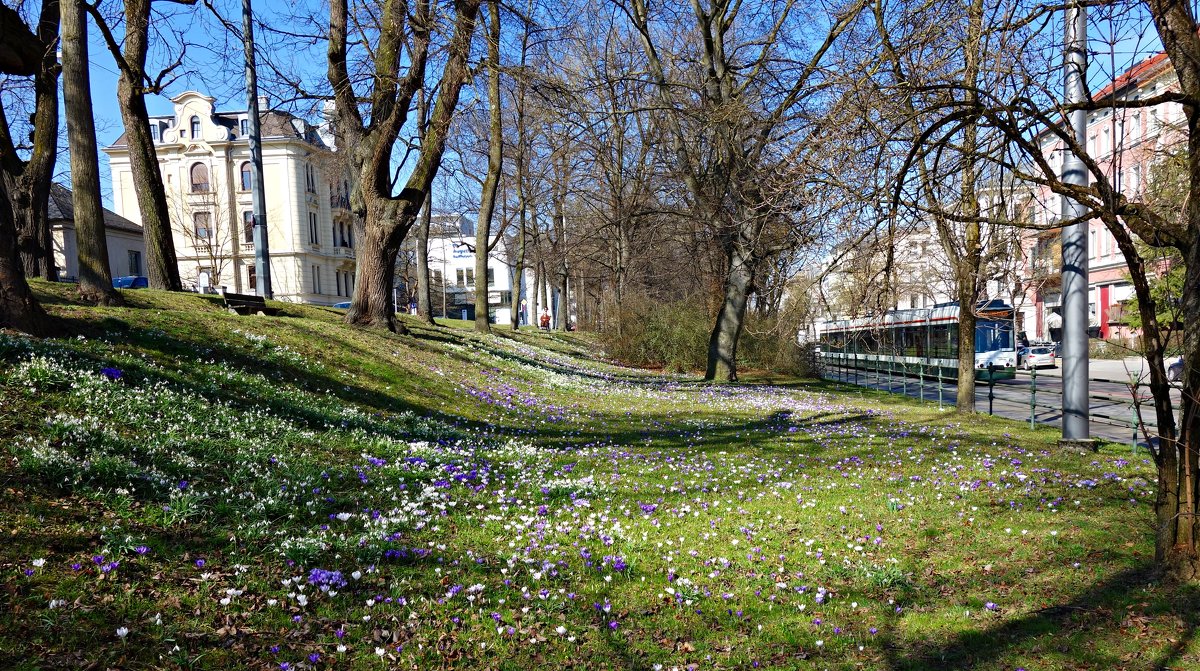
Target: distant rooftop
[62, 209]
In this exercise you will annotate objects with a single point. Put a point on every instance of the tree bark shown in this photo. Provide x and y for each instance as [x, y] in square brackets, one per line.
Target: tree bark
[564, 303]
[95, 279]
[28, 182]
[487, 207]
[535, 300]
[18, 309]
[375, 278]
[722, 343]
[519, 265]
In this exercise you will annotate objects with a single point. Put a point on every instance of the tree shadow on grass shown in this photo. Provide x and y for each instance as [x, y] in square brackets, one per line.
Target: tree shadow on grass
[189, 347]
[1070, 628]
[757, 433]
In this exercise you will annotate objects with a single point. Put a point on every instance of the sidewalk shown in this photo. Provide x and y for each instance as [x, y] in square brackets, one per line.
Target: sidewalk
[1114, 370]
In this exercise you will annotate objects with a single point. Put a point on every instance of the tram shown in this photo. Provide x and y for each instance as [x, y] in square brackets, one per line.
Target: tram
[924, 341]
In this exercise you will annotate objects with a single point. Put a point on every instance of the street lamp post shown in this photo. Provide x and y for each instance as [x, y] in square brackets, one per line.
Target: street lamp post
[1074, 241]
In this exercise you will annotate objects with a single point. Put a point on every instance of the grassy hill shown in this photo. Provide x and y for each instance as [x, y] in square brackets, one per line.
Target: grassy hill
[184, 488]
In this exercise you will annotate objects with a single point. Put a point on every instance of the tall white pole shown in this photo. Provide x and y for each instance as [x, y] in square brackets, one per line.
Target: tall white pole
[262, 254]
[1075, 241]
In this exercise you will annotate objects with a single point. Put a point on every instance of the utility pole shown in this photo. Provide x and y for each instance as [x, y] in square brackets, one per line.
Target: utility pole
[262, 254]
[1075, 427]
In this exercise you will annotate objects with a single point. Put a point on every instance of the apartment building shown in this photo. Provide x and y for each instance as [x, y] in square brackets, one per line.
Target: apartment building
[1127, 144]
[452, 271]
[204, 156]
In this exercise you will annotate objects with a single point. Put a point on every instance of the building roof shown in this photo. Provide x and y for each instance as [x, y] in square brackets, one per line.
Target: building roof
[1136, 76]
[274, 124]
[62, 209]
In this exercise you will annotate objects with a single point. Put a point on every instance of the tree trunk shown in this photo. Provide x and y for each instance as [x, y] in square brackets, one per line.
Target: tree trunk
[30, 203]
[162, 267]
[965, 400]
[95, 279]
[387, 217]
[519, 266]
[564, 304]
[722, 344]
[1181, 479]
[18, 309]
[424, 290]
[535, 300]
[28, 183]
[373, 304]
[487, 207]
[1183, 557]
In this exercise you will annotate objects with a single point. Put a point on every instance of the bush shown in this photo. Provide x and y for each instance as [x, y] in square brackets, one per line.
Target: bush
[671, 335]
[675, 336]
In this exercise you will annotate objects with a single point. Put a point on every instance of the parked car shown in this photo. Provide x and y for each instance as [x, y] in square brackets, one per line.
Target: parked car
[131, 282]
[1036, 357]
[1175, 370]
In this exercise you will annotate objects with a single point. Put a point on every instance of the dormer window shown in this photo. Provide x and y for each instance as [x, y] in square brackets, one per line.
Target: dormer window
[195, 123]
[155, 131]
[245, 127]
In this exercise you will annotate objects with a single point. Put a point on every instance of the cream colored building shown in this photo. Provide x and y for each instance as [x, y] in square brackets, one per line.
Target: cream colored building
[204, 157]
[126, 250]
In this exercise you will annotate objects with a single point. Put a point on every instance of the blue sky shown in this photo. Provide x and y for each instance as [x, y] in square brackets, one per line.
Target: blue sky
[215, 62]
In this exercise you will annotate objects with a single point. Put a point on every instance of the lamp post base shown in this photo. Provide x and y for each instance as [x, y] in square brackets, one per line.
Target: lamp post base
[1082, 445]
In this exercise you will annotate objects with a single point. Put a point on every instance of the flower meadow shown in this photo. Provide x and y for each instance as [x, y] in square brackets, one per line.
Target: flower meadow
[204, 491]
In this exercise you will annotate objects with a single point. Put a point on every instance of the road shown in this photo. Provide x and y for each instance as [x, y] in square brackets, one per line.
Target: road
[1110, 396]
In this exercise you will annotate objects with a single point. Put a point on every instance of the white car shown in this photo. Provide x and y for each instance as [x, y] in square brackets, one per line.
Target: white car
[1036, 357]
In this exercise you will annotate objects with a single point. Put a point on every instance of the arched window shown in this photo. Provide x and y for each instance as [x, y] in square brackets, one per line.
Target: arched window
[199, 178]
[246, 176]
[195, 128]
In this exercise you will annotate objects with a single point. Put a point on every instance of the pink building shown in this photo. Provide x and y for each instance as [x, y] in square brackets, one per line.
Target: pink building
[1125, 144]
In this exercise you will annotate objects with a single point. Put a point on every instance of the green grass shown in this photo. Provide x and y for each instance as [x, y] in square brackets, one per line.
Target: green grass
[476, 494]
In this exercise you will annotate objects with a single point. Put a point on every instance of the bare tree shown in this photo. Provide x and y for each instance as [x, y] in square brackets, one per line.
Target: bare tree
[728, 105]
[401, 39]
[1036, 132]
[211, 231]
[132, 86]
[495, 165]
[953, 211]
[95, 279]
[31, 53]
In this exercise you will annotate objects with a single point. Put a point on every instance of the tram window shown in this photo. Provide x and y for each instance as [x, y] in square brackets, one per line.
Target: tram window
[991, 336]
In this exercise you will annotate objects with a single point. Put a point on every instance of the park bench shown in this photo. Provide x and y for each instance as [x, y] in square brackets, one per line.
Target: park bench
[247, 304]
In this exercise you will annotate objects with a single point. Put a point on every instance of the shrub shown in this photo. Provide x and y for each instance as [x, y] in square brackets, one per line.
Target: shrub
[646, 333]
[675, 336]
